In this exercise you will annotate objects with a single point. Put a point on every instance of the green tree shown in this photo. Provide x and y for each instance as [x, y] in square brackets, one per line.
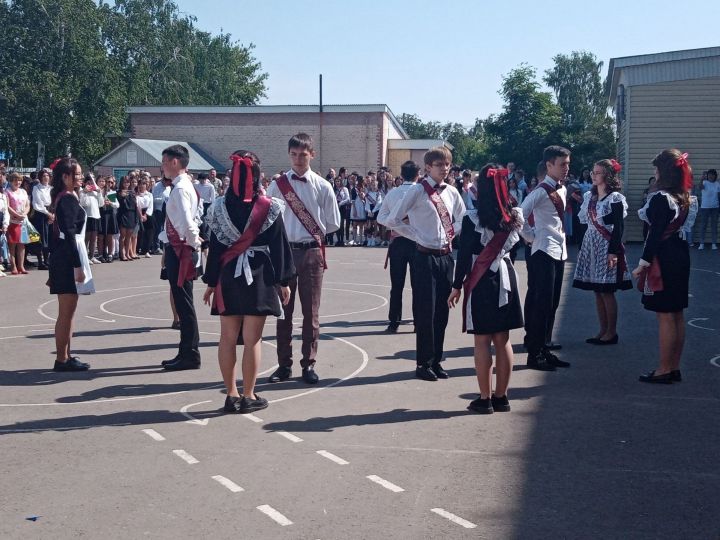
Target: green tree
[417, 129]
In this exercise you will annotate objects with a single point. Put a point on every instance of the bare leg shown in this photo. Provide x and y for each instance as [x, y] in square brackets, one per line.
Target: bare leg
[602, 315]
[611, 311]
[230, 327]
[252, 328]
[680, 341]
[176, 319]
[668, 339]
[20, 257]
[483, 364]
[503, 362]
[13, 259]
[101, 245]
[67, 303]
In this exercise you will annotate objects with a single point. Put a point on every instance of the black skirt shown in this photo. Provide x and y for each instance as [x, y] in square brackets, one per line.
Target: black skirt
[487, 317]
[40, 222]
[674, 258]
[92, 224]
[61, 273]
[108, 222]
[260, 298]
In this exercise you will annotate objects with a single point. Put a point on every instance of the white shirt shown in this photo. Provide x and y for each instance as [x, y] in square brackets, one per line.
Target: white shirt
[344, 197]
[41, 198]
[710, 194]
[181, 209]
[391, 200]
[319, 199]
[548, 235]
[160, 193]
[4, 210]
[145, 201]
[470, 195]
[372, 201]
[206, 192]
[91, 202]
[425, 227]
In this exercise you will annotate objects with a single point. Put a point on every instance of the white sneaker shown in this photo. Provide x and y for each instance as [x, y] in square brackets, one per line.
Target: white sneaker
[95, 260]
[148, 256]
[713, 247]
[701, 247]
[2, 274]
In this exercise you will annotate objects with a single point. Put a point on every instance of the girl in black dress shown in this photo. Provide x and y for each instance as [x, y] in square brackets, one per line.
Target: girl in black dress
[127, 216]
[664, 269]
[68, 269]
[244, 284]
[492, 300]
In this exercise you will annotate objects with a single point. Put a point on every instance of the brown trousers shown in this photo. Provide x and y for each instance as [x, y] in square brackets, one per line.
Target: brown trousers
[308, 285]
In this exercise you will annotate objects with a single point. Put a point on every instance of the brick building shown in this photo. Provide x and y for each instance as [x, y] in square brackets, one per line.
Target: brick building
[359, 137]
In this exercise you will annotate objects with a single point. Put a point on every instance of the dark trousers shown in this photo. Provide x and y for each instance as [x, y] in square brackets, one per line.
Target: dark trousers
[147, 233]
[400, 254]
[431, 277]
[545, 277]
[345, 220]
[308, 285]
[183, 297]
[158, 218]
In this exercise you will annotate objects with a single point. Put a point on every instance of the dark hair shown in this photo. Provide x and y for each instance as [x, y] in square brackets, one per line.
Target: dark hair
[203, 176]
[712, 172]
[230, 194]
[409, 170]
[341, 170]
[179, 152]
[64, 166]
[467, 173]
[302, 141]
[541, 169]
[554, 151]
[488, 206]
[671, 177]
[612, 177]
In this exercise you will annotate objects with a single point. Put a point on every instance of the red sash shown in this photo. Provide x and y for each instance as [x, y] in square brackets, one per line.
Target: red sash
[557, 202]
[483, 261]
[305, 217]
[445, 218]
[184, 254]
[258, 215]
[592, 214]
[651, 277]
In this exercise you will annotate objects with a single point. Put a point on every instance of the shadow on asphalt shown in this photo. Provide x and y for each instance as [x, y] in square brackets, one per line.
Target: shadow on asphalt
[328, 424]
[102, 333]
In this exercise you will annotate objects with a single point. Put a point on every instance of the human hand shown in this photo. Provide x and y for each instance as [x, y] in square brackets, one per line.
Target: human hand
[284, 295]
[207, 297]
[612, 260]
[454, 297]
[638, 272]
[79, 275]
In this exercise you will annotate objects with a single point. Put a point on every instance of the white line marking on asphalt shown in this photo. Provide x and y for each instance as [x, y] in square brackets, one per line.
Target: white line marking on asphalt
[232, 486]
[384, 483]
[253, 418]
[273, 514]
[42, 313]
[691, 322]
[714, 361]
[12, 337]
[153, 434]
[194, 420]
[100, 320]
[289, 436]
[27, 326]
[333, 457]
[452, 517]
[182, 454]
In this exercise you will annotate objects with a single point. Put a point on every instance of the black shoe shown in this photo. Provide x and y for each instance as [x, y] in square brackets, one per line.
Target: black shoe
[232, 404]
[175, 325]
[650, 377]
[309, 375]
[340, 244]
[182, 364]
[611, 341]
[76, 359]
[482, 406]
[553, 360]
[392, 328]
[42, 266]
[248, 405]
[592, 340]
[440, 372]
[425, 373]
[280, 374]
[172, 360]
[539, 362]
[71, 364]
[675, 375]
[500, 404]
[553, 346]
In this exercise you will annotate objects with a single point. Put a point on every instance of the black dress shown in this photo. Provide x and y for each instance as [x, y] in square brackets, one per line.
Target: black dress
[108, 218]
[485, 315]
[673, 255]
[127, 215]
[270, 265]
[64, 254]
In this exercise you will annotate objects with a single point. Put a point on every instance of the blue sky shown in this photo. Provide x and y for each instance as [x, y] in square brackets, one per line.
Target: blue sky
[441, 60]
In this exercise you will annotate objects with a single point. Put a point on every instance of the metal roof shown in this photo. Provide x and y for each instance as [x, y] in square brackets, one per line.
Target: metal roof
[269, 109]
[199, 161]
[663, 67]
[417, 144]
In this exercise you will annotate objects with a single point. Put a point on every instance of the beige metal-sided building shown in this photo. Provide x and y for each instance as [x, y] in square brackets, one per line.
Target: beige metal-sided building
[664, 100]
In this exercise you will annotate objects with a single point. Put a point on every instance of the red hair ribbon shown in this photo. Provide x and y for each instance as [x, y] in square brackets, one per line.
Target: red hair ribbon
[682, 162]
[492, 173]
[239, 161]
[616, 166]
[54, 164]
[499, 177]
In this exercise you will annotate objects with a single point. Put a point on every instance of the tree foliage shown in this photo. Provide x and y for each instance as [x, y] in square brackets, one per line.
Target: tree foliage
[71, 67]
